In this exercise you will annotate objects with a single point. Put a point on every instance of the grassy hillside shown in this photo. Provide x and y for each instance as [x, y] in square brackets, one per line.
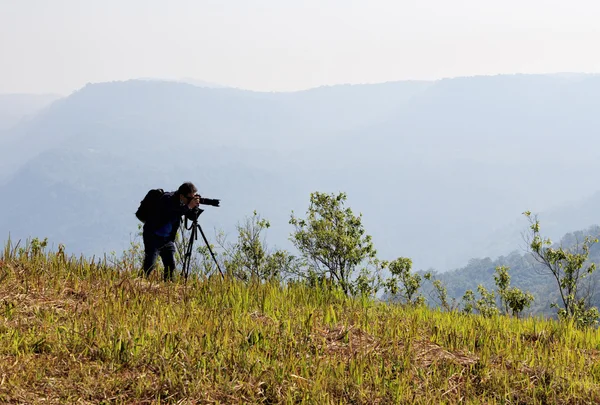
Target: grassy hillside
[73, 331]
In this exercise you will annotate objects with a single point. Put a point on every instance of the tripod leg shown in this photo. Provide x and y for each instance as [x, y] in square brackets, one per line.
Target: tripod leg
[210, 250]
[188, 254]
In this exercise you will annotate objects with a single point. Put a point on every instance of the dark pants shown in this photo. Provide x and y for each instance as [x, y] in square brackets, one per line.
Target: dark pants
[155, 245]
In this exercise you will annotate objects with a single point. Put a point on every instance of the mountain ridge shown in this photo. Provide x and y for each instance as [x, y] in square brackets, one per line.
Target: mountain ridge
[445, 162]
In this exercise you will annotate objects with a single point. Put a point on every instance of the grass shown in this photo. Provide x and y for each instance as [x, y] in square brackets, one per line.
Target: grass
[74, 331]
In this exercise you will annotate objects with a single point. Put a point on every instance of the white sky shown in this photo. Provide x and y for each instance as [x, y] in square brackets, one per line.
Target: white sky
[274, 45]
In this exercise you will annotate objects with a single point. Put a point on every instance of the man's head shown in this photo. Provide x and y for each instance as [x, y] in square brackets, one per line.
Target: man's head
[186, 192]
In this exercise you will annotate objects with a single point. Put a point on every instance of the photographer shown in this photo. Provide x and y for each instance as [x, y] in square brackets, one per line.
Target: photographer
[161, 228]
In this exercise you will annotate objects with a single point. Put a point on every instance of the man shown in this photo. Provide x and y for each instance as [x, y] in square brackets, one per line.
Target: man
[160, 229]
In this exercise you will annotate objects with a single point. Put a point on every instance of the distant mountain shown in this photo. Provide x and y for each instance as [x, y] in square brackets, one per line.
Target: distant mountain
[436, 168]
[201, 83]
[15, 107]
[188, 80]
[469, 155]
[574, 75]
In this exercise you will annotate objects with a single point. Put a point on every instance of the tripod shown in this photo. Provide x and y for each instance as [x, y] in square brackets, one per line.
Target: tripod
[188, 253]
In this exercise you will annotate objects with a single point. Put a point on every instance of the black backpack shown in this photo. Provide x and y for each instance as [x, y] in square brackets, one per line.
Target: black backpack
[149, 204]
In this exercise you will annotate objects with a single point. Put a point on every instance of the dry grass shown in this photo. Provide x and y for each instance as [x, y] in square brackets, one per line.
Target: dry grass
[85, 333]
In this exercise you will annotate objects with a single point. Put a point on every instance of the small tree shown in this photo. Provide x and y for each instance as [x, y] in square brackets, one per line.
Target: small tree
[332, 240]
[468, 300]
[485, 305]
[250, 252]
[568, 266]
[403, 282]
[510, 297]
[441, 292]
[249, 258]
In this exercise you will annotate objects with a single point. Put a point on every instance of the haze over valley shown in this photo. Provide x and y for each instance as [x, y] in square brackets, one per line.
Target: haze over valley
[441, 170]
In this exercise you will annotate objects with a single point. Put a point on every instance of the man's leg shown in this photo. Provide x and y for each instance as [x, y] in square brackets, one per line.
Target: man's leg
[150, 253]
[167, 254]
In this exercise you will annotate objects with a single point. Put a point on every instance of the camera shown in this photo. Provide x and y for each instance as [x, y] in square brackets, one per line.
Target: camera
[209, 201]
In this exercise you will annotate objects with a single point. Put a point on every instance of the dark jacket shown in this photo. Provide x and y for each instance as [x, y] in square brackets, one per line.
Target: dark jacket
[168, 215]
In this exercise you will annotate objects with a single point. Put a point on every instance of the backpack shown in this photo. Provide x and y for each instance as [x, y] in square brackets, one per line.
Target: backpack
[149, 204]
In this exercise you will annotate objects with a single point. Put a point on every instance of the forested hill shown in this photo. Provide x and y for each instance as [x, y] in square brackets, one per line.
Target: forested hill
[526, 273]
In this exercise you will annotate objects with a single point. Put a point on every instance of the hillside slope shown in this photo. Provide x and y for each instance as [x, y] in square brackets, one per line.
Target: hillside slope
[75, 331]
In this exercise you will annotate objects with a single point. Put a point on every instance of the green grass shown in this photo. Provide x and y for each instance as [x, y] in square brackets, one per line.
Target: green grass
[72, 331]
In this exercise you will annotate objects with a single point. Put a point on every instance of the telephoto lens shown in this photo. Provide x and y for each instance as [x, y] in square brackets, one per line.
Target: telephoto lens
[209, 201]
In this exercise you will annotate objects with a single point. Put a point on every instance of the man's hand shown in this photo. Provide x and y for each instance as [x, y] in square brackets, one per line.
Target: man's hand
[194, 202]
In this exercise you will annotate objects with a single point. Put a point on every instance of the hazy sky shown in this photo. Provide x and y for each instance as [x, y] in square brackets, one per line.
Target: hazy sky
[60, 45]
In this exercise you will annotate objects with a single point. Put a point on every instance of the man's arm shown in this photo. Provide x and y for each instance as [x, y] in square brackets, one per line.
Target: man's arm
[191, 210]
